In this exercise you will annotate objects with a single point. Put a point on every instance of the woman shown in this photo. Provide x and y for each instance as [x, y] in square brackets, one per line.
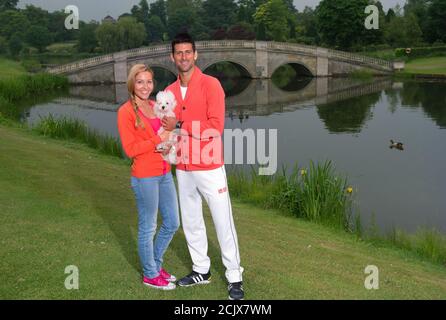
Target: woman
[151, 178]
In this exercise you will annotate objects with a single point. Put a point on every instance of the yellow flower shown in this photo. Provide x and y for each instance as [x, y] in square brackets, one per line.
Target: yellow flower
[349, 189]
[303, 172]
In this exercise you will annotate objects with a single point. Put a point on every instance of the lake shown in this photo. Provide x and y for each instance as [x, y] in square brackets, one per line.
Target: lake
[347, 121]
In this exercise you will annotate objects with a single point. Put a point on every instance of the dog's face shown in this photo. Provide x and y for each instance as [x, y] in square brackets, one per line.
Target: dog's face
[165, 102]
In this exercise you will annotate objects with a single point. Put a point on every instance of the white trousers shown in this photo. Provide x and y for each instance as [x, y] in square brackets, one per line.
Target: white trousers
[213, 186]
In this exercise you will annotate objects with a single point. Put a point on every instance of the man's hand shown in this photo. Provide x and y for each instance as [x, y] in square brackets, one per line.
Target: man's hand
[169, 123]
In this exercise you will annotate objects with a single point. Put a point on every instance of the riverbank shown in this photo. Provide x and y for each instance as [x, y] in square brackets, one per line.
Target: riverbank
[55, 213]
[427, 68]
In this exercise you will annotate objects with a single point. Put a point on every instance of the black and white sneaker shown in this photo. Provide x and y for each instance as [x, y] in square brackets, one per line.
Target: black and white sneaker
[235, 290]
[195, 278]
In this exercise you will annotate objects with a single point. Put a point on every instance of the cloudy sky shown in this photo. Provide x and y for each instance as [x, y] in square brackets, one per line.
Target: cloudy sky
[97, 9]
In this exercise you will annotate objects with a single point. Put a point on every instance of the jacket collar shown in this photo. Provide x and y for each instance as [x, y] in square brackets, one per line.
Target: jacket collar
[195, 78]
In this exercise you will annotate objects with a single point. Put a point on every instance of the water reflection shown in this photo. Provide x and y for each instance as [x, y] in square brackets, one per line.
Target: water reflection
[348, 116]
[430, 96]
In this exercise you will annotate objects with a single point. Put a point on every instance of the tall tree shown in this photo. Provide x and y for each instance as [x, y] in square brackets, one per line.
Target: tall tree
[107, 35]
[158, 8]
[437, 21]
[419, 9]
[341, 22]
[157, 29]
[87, 38]
[273, 15]
[219, 13]
[13, 22]
[8, 4]
[39, 37]
[15, 44]
[132, 34]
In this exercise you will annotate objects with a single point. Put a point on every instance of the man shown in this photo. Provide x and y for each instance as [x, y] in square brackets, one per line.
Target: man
[200, 115]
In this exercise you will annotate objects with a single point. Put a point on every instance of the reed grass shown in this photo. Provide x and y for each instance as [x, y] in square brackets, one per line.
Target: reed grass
[315, 193]
[26, 86]
[73, 129]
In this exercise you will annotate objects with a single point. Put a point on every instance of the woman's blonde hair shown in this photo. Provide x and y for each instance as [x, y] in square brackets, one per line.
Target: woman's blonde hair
[131, 79]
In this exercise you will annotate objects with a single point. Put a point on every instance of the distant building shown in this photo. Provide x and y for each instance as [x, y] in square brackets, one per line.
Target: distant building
[109, 19]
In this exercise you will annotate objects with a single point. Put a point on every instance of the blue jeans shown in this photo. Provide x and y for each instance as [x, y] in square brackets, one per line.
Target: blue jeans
[153, 193]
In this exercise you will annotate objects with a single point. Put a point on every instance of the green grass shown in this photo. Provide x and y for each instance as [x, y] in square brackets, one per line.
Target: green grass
[62, 47]
[434, 65]
[63, 204]
[10, 69]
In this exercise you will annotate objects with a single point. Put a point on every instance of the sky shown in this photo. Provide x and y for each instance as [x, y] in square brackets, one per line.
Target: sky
[98, 9]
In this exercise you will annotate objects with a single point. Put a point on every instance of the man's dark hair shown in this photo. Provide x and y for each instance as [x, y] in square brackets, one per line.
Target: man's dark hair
[183, 37]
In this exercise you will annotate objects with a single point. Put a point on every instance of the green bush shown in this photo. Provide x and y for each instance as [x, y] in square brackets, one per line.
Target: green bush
[32, 66]
[420, 52]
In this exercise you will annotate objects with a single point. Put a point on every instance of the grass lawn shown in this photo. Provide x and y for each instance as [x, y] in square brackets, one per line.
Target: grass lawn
[434, 65]
[10, 68]
[64, 204]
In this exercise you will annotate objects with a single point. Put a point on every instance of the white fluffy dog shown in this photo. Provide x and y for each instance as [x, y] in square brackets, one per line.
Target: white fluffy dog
[164, 107]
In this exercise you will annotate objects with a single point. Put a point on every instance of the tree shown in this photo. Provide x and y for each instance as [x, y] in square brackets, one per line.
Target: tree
[341, 22]
[246, 10]
[36, 16]
[413, 31]
[87, 38]
[8, 4]
[390, 15]
[131, 33]
[273, 15]
[157, 29]
[241, 31]
[306, 28]
[107, 34]
[219, 14]
[158, 8]
[403, 32]
[39, 37]
[419, 9]
[11, 22]
[437, 21]
[3, 45]
[15, 44]
[56, 27]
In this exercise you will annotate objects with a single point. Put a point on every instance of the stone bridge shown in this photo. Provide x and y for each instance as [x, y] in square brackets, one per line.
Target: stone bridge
[258, 58]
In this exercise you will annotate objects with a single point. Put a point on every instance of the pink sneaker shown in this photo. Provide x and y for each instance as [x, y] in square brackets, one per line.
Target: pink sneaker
[167, 276]
[158, 283]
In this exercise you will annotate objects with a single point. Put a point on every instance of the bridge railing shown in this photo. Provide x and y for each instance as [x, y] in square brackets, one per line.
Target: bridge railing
[294, 47]
[353, 57]
[236, 44]
[79, 65]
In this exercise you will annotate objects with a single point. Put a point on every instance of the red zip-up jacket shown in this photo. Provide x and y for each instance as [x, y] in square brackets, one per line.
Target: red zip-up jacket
[204, 104]
[139, 144]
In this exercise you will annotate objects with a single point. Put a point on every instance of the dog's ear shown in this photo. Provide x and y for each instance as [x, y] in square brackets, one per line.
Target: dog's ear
[171, 97]
[159, 96]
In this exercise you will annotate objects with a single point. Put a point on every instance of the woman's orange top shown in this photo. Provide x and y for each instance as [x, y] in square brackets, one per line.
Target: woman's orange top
[139, 144]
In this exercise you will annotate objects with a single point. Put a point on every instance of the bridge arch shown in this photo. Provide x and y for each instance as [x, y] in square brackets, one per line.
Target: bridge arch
[239, 65]
[302, 68]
